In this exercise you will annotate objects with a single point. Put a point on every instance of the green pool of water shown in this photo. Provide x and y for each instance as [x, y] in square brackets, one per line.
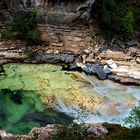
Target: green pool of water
[20, 111]
[34, 95]
[21, 107]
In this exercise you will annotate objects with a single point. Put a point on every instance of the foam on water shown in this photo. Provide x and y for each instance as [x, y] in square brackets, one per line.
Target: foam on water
[124, 98]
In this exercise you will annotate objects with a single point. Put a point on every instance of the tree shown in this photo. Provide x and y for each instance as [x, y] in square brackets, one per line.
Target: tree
[133, 120]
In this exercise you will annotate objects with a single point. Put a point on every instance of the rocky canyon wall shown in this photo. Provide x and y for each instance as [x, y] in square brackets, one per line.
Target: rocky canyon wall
[64, 24]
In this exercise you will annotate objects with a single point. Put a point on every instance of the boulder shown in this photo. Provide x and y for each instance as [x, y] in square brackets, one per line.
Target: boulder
[87, 68]
[98, 69]
[107, 71]
[71, 66]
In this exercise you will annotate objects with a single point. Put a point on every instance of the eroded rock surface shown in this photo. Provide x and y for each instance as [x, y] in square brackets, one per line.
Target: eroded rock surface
[47, 133]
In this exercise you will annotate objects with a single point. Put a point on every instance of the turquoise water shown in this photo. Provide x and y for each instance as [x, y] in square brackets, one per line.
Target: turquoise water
[21, 107]
[35, 95]
[20, 111]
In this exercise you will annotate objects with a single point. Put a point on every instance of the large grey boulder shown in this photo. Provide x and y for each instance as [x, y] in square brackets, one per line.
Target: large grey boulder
[101, 73]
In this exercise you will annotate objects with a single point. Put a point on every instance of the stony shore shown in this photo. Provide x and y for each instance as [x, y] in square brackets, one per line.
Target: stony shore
[122, 60]
[94, 131]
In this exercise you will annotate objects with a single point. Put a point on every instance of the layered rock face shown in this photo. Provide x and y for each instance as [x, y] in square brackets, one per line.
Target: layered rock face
[66, 39]
[53, 12]
[64, 24]
[47, 133]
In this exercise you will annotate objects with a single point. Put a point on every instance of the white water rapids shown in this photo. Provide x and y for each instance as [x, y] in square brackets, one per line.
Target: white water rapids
[121, 99]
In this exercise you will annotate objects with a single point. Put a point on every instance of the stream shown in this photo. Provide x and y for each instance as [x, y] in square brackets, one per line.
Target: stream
[35, 95]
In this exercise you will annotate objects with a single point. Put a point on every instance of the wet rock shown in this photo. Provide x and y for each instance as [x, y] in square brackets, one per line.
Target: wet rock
[98, 69]
[124, 80]
[107, 71]
[87, 68]
[90, 68]
[71, 66]
[57, 58]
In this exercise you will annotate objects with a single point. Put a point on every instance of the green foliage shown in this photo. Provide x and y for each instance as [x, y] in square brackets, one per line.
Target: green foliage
[71, 132]
[127, 24]
[114, 18]
[130, 134]
[133, 120]
[8, 35]
[25, 27]
[34, 36]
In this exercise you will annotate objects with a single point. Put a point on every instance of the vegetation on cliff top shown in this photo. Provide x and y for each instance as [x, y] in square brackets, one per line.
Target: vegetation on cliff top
[23, 27]
[117, 17]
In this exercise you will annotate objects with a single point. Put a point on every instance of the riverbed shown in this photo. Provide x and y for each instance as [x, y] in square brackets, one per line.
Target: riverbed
[33, 95]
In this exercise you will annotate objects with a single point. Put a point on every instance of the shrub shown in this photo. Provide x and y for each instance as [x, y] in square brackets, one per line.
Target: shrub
[114, 18]
[34, 35]
[133, 120]
[129, 134]
[7, 34]
[25, 26]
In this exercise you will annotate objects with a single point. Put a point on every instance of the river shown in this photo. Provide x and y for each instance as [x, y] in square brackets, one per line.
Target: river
[34, 95]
